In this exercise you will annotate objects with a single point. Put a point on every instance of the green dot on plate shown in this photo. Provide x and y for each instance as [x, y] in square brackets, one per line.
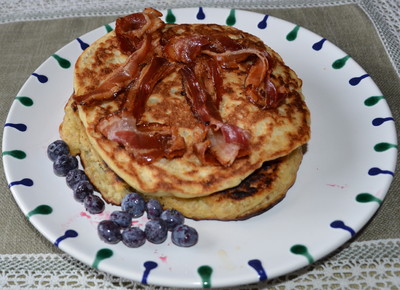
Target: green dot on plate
[205, 274]
[26, 101]
[367, 197]
[381, 147]
[101, 255]
[64, 63]
[170, 18]
[231, 20]
[303, 251]
[339, 63]
[371, 101]
[292, 35]
[43, 209]
[108, 28]
[15, 153]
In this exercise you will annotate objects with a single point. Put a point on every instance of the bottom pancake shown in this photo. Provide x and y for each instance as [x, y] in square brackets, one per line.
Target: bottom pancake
[258, 192]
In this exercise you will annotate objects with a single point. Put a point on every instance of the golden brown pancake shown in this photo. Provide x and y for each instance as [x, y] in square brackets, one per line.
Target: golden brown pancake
[274, 132]
[258, 192]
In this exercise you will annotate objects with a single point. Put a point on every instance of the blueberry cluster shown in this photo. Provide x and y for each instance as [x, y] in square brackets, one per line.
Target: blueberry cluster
[66, 165]
[118, 227]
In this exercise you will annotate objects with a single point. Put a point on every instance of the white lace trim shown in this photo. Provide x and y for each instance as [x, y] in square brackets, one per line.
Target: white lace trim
[360, 265]
[26, 10]
[385, 14]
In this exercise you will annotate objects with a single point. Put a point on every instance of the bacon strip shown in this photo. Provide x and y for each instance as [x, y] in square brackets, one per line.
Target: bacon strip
[201, 102]
[134, 33]
[226, 140]
[259, 88]
[185, 49]
[119, 78]
[146, 146]
[131, 28]
[230, 59]
[217, 81]
[201, 59]
[147, 142]
[208, 73]
[150, 75]
[222, 43]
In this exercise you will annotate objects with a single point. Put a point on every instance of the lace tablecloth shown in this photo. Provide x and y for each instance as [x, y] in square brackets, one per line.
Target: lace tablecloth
[370, 261]
[384, 14]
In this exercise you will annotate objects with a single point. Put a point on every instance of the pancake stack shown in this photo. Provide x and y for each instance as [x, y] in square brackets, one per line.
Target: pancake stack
[203, 117]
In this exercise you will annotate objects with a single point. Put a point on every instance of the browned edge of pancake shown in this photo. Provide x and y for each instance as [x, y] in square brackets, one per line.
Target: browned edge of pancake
[183, 177]
[257, 193]
[260, 191]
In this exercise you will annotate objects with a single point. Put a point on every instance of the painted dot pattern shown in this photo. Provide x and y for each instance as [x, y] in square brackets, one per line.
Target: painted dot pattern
[64, 63]
[206, 272]
[373, 100]
[170, 18]
[377, 171]
[200, 14]
[66, 235]
[292, 35]
[231, 20]
[26, 101]
[263, 23]
[356, 80]
[256, 264]
[338, 224]
[302, 250]
[148, 267]
[82, 44]
[24, 182]
[318, 45]
[380, 121]
[108, 28]
[43, 209]
[340, 63]
[102, 255]
[19, 154]
[18, 126]
[366, 197]
[41, 78]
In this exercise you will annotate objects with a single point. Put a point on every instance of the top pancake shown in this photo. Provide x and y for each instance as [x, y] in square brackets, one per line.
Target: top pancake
[273, 132]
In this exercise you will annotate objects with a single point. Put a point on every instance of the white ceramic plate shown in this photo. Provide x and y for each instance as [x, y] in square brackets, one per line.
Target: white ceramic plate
[344, 176]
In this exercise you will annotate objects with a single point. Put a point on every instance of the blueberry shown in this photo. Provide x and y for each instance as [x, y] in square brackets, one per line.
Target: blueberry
[184, 236]
[172, 218]
[134, 204]
[122, 218]
[154, 209]
[109, 232]
[133, 237]
[83, 189]
[94, 204]
[156, 231]
[56, 149]
[74, 176]
[64, 163]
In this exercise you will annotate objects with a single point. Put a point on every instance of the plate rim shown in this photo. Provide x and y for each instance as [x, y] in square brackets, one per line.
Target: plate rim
[44, 233]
